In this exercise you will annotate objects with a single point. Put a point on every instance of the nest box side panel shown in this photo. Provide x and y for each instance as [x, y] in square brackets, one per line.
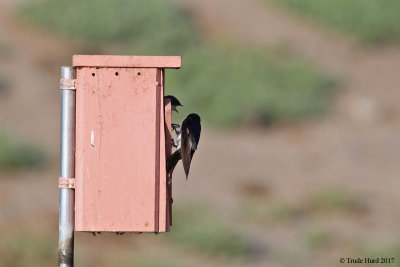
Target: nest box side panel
[117, 149]
[162, 186]
[168, 152]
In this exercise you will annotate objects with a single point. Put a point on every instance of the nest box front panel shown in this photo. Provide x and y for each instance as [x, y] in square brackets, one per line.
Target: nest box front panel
[120, 150]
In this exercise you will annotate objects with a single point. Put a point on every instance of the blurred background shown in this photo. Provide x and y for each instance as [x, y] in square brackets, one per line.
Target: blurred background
[298, 159]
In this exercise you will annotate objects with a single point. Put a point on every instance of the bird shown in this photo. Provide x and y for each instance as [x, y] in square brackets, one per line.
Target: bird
[190, 137]
[174, 102]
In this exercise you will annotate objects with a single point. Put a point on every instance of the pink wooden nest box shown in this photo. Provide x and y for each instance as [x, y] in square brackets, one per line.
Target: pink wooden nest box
[123, 137]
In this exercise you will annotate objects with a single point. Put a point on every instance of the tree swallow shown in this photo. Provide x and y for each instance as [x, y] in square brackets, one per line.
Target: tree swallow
[190, 137]
[174, 102]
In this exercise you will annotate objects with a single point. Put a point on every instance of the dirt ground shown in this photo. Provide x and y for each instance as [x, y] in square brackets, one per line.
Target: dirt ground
[354, 148]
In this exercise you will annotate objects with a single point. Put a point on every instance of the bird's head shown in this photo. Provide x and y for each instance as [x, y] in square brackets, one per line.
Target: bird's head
[194, 117]
[174, 102]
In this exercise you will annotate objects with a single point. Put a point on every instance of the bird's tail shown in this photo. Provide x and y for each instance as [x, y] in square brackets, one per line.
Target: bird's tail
[186, 163]
[173, 160]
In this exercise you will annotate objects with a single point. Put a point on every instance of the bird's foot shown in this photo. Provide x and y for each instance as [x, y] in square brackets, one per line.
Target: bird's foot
[173, 143]
[175, 126]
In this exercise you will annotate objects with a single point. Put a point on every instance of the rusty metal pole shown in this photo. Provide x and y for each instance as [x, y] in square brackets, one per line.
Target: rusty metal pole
[67, 170]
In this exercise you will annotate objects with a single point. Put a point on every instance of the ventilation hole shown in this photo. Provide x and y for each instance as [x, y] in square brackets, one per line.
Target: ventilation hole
[116, 74]
[139, 73]
[93, 74]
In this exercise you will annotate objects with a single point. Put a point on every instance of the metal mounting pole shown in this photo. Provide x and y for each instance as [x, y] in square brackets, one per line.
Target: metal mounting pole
[67, 170]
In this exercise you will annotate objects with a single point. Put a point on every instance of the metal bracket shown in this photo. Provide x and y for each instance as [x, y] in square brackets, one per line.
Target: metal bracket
[66, 183]
[67, 84]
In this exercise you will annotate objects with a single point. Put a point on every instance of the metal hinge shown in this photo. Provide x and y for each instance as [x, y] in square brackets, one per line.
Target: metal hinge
[67, 84]
[66, 183]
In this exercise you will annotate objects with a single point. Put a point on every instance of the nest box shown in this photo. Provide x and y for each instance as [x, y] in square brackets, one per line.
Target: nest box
[123, 137]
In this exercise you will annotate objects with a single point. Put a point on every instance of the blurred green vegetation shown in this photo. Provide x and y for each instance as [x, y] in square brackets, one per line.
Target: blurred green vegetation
[318, 237]
[27, 249]
[15, 154]
[336, 199]
[268, 211]
[155, 26]
[198, 229]
[371, 21]
[229, 85]
[323, 202]
[226, 84]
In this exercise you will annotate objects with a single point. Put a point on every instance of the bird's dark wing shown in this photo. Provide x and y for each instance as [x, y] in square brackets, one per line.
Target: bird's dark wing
[190, 138]
[186, 145]
[195, 129]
